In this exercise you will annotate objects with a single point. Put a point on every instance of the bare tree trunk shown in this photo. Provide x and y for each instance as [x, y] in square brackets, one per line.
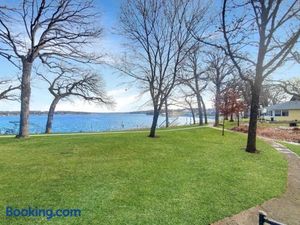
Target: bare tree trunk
[167, 113]
[217, 113]
[226, 117]
[246, 113]
[192, 111]
[204, 110]
[25, 99]
[200, 113]
[51, 114]
[154, 123]
[193, 115]
[251, 142]
[231, 117]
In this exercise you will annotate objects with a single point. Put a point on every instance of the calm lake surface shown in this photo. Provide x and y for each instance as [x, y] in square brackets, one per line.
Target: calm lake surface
[96, 122]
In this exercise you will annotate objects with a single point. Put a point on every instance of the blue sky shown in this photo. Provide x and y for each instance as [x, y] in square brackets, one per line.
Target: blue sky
[127, 98]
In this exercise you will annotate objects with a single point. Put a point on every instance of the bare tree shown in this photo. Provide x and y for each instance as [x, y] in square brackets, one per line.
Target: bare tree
[158, 41]
[40, 29]
[7, 90]
[272, 94]
[259, 36]
[190, 102]
[194, 76]
[167, 112]
[166, 109]
[291, 87]
[185, 100]
[73, 82]
[219, 70]
[204, 110]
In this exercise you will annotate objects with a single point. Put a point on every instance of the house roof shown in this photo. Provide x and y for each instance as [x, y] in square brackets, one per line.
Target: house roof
[285, 105]
[295, 98]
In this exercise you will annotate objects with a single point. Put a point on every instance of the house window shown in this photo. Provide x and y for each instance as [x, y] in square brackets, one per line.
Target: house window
[277, 112]
[285, 113]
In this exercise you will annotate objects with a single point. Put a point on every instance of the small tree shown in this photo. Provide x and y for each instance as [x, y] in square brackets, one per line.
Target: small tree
[231, 104]
[73, 82]
[239, 107]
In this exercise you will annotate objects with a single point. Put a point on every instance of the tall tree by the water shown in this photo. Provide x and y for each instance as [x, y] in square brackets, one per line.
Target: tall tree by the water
[158, 41]
[46, 29]
[66, 82]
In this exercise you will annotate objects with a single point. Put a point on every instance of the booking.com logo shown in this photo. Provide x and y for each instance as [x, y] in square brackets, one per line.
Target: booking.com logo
[38, 212]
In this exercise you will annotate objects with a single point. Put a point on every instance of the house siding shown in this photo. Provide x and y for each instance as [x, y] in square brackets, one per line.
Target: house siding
[294, 114]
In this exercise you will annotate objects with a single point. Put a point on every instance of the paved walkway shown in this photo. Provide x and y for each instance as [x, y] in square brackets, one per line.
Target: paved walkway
[285, 209]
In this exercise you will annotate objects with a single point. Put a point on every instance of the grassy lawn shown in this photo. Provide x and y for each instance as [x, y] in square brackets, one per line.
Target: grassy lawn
[229, 125]
[265, 124]
[183, 177]
[294, 148]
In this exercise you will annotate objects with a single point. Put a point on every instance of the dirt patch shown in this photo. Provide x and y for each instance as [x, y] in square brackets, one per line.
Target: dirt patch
[278, 133]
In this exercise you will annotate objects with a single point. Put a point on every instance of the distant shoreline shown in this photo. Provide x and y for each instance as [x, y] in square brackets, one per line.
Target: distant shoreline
[177, 112]
[16, 113]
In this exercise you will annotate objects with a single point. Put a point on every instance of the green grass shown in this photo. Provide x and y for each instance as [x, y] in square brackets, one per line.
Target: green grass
[264, 124]
[183, 177]
[229, 125]
[294, 148]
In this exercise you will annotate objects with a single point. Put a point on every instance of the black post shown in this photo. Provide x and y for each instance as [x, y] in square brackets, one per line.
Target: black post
[261, 218]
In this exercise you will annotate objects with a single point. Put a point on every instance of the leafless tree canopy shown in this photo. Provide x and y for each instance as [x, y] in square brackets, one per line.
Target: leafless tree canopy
[219, 67]
[291, 87]
[268, 29]
[159, 39]
[7, 90]
[40, 28]
[272, 94]
[219, 70]
[194, 76]
[67, 82]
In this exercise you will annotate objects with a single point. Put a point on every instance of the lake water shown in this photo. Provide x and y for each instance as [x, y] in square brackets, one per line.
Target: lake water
[66, 123]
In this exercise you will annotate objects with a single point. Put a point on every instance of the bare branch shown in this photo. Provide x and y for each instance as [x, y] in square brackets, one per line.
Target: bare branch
[71, 81]
[7, 90]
